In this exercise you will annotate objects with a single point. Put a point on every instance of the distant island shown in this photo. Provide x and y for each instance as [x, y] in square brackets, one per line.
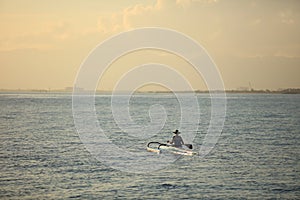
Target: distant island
[282, 91]
[70, 90]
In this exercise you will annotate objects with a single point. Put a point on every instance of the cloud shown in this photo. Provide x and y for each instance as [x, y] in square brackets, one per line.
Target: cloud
[227, 27]
[36, 37]
[187, 3]
[125, 19]
[287, 17]
[109, 24]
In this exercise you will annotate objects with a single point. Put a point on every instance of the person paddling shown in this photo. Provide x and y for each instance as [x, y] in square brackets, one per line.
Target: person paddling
[177, 140]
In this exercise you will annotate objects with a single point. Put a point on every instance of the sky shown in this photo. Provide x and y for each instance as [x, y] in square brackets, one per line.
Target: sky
[44, 43]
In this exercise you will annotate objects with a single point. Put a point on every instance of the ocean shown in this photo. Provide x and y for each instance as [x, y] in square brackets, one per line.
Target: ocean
[44, 157]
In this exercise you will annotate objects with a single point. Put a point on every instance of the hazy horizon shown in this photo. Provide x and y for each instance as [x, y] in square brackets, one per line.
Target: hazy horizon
[255, 44]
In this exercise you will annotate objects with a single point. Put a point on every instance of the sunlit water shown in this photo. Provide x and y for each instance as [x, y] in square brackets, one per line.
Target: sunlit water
[257, 155]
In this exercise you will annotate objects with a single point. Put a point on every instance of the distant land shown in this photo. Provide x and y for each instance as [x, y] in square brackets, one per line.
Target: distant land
[70, 90]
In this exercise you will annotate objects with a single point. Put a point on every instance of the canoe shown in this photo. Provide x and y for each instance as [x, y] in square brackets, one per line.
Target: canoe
[167, 148]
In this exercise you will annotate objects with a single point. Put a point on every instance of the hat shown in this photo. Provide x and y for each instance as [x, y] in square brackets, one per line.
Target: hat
[176, 132]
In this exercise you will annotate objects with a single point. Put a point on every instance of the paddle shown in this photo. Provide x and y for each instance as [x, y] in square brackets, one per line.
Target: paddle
[190, 146]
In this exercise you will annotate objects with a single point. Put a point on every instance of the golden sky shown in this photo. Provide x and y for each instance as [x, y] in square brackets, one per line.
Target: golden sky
[43, 43]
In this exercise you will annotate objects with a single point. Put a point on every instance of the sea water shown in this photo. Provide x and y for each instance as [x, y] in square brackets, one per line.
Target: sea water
[43, 157]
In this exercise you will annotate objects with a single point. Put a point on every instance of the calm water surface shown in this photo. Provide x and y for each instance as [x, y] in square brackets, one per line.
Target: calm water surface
[257, 155]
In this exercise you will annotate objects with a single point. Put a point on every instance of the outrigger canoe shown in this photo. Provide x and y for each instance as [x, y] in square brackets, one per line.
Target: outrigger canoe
[158, 147]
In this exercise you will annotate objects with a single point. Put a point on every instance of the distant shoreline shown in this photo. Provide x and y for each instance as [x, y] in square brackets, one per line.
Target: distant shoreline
[283, 91]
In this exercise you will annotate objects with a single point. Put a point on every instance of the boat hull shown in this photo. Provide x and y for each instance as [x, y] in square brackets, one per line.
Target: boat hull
[171, 149]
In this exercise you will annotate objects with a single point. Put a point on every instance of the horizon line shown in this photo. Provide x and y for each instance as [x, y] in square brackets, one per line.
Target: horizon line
[279, 90]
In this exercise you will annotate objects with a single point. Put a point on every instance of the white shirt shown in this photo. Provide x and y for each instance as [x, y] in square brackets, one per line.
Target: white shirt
[177, 141]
